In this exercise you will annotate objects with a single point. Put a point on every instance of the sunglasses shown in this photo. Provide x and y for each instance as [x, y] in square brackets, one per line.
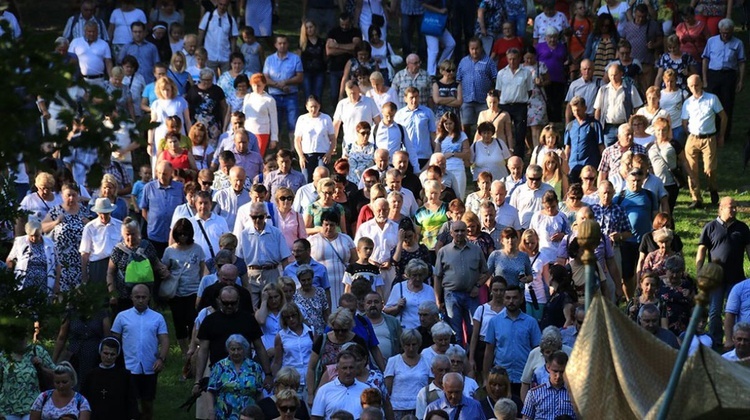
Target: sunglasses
[286, 198]
[206, 183]
[534, 179]
[259, 217]
[229, 302]
[340, 330]
[287, 409]
[449, 70]
[364, 132]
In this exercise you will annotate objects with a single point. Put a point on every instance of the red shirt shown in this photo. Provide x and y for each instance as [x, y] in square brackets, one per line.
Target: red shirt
[501, 46]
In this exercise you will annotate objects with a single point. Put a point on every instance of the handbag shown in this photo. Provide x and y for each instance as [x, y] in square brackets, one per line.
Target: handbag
[376, 20]
[433, 23]
[168, 286]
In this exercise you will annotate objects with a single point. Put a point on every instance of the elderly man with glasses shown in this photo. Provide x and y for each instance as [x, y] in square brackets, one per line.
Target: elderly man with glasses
[527, 198]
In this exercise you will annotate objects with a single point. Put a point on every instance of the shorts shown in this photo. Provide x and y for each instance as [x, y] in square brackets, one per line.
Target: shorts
[145, 386]
[470, 112]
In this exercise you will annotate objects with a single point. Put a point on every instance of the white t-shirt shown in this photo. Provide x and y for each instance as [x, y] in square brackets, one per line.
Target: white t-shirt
[122, 21]
[216, 39]
[407, 381]
[484, 314]
[409, 316]
[617, 12]
[315, 133]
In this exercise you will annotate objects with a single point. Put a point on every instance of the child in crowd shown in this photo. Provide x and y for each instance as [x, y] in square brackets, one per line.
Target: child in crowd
[201, 57]
[363, 268]
[549, 141]
[144, 172]
[116, 89]
[551, 226]
[252, 50]
[701, 336]
[176, 37]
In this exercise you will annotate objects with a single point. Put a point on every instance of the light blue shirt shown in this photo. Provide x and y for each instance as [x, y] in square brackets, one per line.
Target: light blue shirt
[513, 340]
[140, 333]
[265, 248]
[419, 125]
[738, 302]
[470, 409]
[228, 202]
[320, 273]
[282, 69]
[724, 55]
[160, 203]
[700, 113]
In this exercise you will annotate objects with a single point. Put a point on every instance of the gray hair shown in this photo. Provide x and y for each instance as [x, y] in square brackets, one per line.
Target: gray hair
[440, 358]
[453, 376]
[551, 31]
[259, 207]
[456, 351]
[206, 72]
[551, 338]
[726, 24]
[411, 336]
[675, 263]
[429, 305]
[741, 326]
[371, 413]
[33, 226]
[416, 266]
[505, 409]
[395, 193]
[664, 234]
[441, 329]
[238, 339]
[61, 40]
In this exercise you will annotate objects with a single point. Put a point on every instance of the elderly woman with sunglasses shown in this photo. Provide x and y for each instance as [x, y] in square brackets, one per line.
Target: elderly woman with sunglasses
[235, 381]
[291, 223]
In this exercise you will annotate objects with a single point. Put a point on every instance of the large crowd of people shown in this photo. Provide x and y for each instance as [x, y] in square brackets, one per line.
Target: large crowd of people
[413, 253]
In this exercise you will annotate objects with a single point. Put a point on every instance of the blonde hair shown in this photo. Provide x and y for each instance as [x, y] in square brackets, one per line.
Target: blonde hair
[45, 179]
[117, 71]
[160, 85]
[184, 61]
[548, 132]
[111, 180]
[325, 183]
[555, 176]
[432, 185]
[303, 33]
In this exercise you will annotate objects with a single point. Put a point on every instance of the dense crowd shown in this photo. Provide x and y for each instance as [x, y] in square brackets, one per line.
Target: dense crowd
[384, 283]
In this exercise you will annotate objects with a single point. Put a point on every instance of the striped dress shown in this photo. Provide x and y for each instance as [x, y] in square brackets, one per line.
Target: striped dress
[334, 261]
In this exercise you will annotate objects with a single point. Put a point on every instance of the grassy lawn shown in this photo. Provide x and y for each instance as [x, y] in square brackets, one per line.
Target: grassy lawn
[732, 180]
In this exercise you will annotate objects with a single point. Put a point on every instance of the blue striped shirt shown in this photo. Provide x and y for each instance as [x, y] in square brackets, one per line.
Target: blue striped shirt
[546, 402]
[476, 77]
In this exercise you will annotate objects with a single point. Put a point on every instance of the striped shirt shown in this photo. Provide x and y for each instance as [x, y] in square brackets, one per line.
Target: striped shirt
[476, 77]
[546, 402]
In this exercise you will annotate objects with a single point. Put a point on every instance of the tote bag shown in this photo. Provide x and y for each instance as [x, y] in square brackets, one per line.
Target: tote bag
[433, 23]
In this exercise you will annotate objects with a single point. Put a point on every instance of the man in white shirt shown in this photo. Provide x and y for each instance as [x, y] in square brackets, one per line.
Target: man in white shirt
[340, 394]
[527, 198]
[229, 200]
[98, 240]
[352, 110]
[586, 87]
[505, 214]
[741, 338]
[384, 233]
[94, 55]
[615, 103]
[388, 134]
[515, 84]
[217, 33]
[393, 183]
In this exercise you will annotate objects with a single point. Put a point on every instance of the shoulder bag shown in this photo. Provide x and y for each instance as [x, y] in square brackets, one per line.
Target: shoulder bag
[433, 23]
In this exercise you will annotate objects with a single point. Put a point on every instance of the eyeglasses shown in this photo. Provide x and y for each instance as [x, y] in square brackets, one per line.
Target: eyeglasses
[340, 330]
[534, 179]
[287, 409]
[258, 217]
[449, 70]
[286, 198]
[229, 302]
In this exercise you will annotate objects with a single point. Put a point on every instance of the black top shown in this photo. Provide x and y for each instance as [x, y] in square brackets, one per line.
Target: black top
[314, 56]
[268, 406]
[211, 293]
[726, 246]
[338, 62]
[111, 394]
[648, 245]
[412, 183]
[218, 326]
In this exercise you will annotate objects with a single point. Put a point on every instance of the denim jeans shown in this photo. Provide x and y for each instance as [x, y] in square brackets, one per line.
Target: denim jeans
[460, 307]
[334, 79]
[610, 135]
[520, 21]
[312, 84]
[410, 24]
[313, 161]
[715, 323]
[286, 107]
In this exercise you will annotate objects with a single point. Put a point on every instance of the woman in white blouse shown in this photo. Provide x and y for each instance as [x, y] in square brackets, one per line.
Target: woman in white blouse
[261, 119]
[313, 138]
[380, 93]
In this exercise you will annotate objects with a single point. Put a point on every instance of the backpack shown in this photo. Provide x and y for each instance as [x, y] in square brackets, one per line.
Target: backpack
[400, 128]
[208, 23]
[430, 396]
[46, 395]
[138, 269]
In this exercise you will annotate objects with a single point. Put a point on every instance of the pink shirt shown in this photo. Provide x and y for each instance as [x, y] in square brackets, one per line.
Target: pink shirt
[292, 227]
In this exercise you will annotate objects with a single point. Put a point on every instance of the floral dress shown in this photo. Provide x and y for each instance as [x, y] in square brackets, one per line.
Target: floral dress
[537, 114]
[360, 157]
[422, 253]
[234, 390]
[679, 66]
[67, 238]
[677, 305]
[226, 83]
[316, 210]
[313, 308]
[234, 102]
[19, 385]
[36, 270]
[494, 16]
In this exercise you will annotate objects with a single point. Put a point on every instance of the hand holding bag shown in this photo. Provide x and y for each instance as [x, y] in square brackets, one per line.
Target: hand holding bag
[433, 23]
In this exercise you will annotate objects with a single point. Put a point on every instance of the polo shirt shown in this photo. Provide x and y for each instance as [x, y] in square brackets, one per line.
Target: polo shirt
[228, 201]
[476, 77]
[724, 55]
[282, 69]
[218, 326]
[640, 207]
[320, 273]
[738, 302]
[216, 41]
[243, 221]
[91, 56]
[352, 113]
[513, 340]
[467, 409]
[160, 202]
[546, 402]
[149, 92]
[460, 267]
[274, 180]
[335, 396]
[586, 90]
[146, 54]
[700, 113]
[262, 248]
[514, 87]
[584, 139]
[215, 226]
[140, 333]
[385, 239]
[419, 124]
[98, 239]
[726, 244]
